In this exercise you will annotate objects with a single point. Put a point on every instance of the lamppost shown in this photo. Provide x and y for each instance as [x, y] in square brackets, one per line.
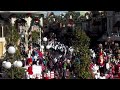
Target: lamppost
[11, 51]
[109, 41]
[71, 51]
[8, 64]
[27, 27]
[45, 46]
[40, 29]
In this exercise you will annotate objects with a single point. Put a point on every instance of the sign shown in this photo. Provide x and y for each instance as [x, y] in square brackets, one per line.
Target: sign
[52, 74]
[37, 71]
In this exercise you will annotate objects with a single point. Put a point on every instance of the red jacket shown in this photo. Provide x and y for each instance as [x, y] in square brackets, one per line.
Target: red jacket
[113, 69]
[30, 72]
[29, 60]
[118, 75]
[46, 77]
[40, 53]
[91, 66]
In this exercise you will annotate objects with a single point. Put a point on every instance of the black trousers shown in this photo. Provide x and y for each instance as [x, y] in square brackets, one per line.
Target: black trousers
[102, 69]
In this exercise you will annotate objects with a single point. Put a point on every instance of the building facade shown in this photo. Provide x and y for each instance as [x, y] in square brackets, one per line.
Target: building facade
[108, 24]
[113, 19]
[2, 41]
[23, 30]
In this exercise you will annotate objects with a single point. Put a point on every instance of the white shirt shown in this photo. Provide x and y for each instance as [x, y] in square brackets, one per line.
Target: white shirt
[102, 77]
[97, 75]
[93, 55]
[26, 67]
[107, 66]
[95, 68]
[37, 70]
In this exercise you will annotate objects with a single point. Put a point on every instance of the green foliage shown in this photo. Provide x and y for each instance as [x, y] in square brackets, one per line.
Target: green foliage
[79, 40]
[17, 54]
[17, 72]
[81, 46]
[13, 36]
[35, 36]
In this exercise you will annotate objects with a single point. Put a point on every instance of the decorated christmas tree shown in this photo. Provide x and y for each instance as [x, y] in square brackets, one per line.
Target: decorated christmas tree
[81, 46]
[12, 39]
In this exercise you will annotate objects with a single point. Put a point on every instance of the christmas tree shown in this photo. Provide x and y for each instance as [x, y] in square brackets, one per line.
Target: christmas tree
[81, 46]
[12, 39]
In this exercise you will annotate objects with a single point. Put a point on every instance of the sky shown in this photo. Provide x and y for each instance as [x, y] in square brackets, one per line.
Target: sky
[38, 12]
[58, 12]
[55, 12]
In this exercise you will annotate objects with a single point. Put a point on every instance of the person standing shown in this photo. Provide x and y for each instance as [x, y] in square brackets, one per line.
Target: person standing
[30, 72]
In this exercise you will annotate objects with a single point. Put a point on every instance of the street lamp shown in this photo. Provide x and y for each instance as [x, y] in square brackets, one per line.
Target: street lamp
[11, 50]
[71, 50]
[109, 41]
[8, 64]
[3, 63]
[87, 16]
[70, 16]
[27, 27]
[44, 46]
[22, 35]
[13, 21]
[45, 39]
[48, 46]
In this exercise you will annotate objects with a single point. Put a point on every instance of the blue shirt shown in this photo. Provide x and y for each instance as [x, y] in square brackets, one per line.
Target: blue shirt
[36, 53]
[33, 58]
